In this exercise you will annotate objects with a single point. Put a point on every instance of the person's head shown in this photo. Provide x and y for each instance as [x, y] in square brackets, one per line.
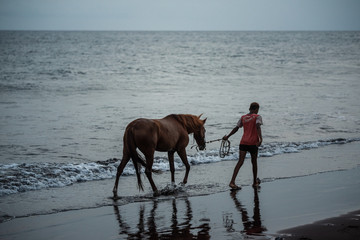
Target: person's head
[254, 107]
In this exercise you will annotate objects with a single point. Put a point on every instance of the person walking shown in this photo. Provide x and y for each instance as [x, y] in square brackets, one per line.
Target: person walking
[250, 142]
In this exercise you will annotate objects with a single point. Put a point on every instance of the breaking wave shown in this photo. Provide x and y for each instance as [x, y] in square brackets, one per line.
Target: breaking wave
[16, 178]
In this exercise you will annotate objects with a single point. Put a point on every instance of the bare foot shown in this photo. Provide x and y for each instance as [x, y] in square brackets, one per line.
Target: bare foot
[257, 183]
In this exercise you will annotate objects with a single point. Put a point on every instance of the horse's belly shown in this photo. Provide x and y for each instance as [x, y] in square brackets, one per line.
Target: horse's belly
[164, 148]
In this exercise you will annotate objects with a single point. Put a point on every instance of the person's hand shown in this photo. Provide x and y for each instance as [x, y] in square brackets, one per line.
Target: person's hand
[225, 138]
[258, 144]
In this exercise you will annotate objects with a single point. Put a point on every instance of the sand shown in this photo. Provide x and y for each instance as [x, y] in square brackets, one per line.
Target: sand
[344, 227]
[315, 206]
[248, 213]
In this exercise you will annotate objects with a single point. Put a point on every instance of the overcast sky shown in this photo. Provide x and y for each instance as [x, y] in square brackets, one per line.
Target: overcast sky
[180, 15]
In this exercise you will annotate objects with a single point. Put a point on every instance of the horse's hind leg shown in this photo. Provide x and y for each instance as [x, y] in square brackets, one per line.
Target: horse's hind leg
[182, 154]
[120, 170]
[149, 162]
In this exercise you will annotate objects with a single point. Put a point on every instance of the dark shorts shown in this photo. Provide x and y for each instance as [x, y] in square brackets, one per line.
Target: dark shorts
[249, 148]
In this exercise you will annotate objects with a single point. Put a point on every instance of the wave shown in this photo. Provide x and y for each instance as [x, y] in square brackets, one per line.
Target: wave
[16, 178]
[34, 176]
[269, 150]
[18, 87]
[70, 87]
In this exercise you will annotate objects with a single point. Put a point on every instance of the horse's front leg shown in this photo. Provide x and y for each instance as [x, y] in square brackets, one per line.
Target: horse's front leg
[171, 163]
[182, 154]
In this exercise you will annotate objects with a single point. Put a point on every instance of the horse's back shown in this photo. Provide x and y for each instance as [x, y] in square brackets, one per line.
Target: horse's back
[152, 125]
[143, 131]
[161, 134]
[141, 123]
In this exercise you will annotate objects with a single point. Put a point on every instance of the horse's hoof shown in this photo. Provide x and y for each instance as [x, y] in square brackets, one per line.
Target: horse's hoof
[156, 193]
[115, 196]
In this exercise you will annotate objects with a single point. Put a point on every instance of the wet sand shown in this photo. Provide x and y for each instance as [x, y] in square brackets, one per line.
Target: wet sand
[344, 227]
[247, 213]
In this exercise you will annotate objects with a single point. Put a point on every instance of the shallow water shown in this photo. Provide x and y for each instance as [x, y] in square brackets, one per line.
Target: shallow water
[203, 179]
[248, 213]
[66, 98]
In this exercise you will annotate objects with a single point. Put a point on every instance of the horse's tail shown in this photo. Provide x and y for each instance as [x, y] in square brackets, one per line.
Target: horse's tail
[131, 145]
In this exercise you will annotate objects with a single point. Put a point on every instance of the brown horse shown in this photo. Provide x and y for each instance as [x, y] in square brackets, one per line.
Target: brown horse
[170, 134]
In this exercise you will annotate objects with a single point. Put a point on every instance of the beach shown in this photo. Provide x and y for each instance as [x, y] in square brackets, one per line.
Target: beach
[249, 213]
[66, 98]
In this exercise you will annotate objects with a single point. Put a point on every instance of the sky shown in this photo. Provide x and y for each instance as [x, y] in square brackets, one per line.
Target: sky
[180, 15]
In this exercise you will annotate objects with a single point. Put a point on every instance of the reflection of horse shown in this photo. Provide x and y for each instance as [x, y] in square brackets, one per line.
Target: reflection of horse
[147, 227]
[170, 134]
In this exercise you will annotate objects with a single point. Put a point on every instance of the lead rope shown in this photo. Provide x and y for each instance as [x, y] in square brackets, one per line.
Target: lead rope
[224, 147]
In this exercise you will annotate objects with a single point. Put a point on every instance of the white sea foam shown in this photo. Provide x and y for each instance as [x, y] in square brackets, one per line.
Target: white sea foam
[16, 178]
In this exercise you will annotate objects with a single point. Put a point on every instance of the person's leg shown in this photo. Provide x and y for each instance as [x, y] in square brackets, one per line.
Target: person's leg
[254, 167]
[242, 155]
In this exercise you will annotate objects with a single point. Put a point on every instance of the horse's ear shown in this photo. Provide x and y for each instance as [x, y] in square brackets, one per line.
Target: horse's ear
[202, 120]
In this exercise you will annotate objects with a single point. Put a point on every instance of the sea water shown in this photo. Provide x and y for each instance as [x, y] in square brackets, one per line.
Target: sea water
[66, 97]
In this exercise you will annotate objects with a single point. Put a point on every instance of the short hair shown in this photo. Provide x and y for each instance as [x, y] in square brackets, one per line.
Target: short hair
[254, 106]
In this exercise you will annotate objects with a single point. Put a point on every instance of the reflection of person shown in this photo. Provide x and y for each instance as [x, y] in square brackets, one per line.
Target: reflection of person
[251, 227]
[250, 141]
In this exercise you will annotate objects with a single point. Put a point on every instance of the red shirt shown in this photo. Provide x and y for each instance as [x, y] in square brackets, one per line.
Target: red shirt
[249, 121]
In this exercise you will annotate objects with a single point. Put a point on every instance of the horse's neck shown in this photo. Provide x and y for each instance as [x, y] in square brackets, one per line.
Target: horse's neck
[180, 119]
[189, 130]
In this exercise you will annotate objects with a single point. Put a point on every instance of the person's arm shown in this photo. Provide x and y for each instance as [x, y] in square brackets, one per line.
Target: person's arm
[231, 133]
[258, 128]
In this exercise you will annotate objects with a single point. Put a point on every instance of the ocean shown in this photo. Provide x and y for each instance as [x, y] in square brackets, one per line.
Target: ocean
[66, 98]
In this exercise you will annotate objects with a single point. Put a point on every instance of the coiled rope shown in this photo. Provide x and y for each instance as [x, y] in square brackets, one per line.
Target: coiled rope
[224, 147]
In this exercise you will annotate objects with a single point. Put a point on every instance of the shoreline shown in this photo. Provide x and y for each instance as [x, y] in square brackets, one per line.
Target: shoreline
[247, 213]
[204, 179]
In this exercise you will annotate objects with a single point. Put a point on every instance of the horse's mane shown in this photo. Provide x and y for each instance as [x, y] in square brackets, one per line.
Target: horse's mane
[190, 122]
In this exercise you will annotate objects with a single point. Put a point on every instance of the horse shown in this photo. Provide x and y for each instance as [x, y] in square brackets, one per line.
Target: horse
[169, 134]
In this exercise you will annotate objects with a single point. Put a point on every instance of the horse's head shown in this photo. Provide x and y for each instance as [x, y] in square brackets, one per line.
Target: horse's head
[199, 134]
